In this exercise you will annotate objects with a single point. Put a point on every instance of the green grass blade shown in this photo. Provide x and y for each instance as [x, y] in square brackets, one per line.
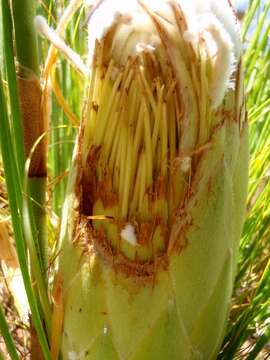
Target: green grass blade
[260, 344]
[254, 5]
[12, 85]
[1, 42]
[7, 337]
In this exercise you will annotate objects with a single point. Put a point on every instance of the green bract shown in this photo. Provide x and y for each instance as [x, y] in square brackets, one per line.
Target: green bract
[157, 192]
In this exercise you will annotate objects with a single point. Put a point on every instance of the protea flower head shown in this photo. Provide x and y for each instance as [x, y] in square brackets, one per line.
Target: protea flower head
[157, 191]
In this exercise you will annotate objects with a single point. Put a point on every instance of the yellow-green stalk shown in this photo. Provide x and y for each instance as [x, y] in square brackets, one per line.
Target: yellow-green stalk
[157, 191]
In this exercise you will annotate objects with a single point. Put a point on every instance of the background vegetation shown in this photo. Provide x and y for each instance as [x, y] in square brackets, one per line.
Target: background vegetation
[248, 332]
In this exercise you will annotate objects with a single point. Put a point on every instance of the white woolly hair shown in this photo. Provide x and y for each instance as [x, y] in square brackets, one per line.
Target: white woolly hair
[222, 11]
[216, 22]
[128, 234]
[212, 20]
[222, 57]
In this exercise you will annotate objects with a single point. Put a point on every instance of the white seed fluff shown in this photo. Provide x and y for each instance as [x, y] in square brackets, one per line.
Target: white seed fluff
[215, 23]
[72, 355]
[223, 59]
[212, 23]
[128, 234]
[185, 164]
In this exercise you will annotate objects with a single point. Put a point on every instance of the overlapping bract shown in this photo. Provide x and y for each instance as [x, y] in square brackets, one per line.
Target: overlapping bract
[157, 192]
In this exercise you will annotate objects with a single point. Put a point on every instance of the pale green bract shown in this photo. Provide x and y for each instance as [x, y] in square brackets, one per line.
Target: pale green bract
[157, 191]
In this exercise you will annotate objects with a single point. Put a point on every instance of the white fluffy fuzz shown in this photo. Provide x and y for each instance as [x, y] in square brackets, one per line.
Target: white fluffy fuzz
[220, 48]
[185, 164]
[210, 23]
[128, 234]
[72, 355]
[214, 23]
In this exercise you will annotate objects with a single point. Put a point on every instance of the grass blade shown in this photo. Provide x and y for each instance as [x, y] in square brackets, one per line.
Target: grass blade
[7, 337]
[12, 85]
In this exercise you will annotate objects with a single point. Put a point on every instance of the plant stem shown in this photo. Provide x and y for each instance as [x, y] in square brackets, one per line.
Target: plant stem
[7, 337]
[12, 181]
[25, 34]
[34, 124]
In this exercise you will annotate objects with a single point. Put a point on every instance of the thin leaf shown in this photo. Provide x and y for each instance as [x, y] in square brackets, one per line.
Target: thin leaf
[7, 337]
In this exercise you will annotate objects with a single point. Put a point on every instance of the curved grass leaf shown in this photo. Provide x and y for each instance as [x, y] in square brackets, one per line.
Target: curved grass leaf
[7, 337]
